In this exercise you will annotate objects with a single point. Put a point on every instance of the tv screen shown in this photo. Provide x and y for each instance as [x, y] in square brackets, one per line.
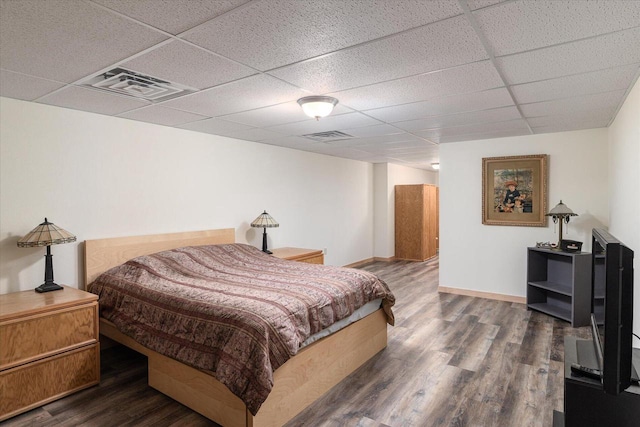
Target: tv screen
[612, 310]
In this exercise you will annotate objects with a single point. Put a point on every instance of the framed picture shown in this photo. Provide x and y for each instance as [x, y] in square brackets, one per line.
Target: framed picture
[514, 190]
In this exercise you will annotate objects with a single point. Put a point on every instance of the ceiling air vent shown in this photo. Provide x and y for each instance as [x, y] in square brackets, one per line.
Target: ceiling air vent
[329, 136]
[130, 83]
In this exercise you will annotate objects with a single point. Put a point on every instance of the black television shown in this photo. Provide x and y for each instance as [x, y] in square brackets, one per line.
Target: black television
[612, 310]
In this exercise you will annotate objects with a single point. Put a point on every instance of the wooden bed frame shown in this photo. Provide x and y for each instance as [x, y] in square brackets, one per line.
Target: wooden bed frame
[297, 383]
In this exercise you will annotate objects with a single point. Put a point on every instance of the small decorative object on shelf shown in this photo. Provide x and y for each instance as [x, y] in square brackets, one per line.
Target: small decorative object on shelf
[47, 234]
[560, 214]
[546, 245]
[265, 221]
[570, 245]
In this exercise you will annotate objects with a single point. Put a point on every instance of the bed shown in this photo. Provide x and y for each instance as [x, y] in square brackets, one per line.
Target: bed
[296, 383]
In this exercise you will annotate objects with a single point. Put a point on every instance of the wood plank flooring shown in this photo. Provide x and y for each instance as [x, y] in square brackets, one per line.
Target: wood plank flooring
[451, 360]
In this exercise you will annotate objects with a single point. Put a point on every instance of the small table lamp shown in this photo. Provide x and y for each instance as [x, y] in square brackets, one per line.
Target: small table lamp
[560, 214]
[47, 234]
[266, 221]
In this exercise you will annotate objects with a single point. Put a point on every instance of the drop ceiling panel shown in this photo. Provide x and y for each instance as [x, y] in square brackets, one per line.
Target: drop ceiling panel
[288, 112]
[406, 138]
[254, 134]
[329, 123]
[433, 47]
[246, 94]
[579, 84]
[484, 135]
[340, 152]
[415, 157]
[56, 34]
[162, 115]
[483, 116]
[215, 126]
[473, 77]
[375, 130]
[269, 34]
[173, 16]
[92, 100]
[290, 142]
[518, 124]
[28, 88]
[397, 147]
[185, 64]
[493, 98]
[564, 127]
[544, 23]
[572, 117]
[479, 4]
[598, 101]
[593, 54]
[269, 116]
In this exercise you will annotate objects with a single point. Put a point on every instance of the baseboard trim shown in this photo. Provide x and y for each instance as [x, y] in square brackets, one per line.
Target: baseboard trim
[367, 261]
[481, 294]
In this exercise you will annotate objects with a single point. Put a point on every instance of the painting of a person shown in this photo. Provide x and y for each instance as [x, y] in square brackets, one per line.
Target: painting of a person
[511, 196]
[519, 207]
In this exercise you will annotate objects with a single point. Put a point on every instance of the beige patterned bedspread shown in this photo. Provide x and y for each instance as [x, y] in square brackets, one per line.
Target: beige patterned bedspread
[231, 309]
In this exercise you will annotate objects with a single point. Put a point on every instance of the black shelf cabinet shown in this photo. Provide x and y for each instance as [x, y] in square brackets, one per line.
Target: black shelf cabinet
[585, 402]
[598, 287]
[559, 284]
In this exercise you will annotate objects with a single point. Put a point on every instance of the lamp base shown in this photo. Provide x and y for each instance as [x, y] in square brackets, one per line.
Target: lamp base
[48, 287]
[264, 242]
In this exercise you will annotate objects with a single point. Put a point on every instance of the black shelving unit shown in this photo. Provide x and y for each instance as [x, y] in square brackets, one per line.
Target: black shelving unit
[585, 402]
[559, 284]
[599, 281]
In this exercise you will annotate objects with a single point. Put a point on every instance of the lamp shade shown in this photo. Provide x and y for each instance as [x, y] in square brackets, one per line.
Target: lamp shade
[265, 220]
[561, 210]
[317, 106]
[46, 234]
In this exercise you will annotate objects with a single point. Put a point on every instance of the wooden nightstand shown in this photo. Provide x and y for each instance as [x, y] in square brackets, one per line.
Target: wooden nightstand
[48, 347]
[310, 256]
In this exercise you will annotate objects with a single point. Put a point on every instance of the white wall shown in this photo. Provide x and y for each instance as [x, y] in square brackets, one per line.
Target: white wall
[387, 176]
[624, 188]
[492, 258]
[98, 176]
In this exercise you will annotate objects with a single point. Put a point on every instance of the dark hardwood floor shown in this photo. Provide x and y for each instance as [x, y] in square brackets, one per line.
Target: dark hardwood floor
[451, 360]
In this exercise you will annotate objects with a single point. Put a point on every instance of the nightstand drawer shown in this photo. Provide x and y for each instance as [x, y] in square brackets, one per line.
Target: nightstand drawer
[31, 338]
[32, 385]
[310, 256]
[315, 259]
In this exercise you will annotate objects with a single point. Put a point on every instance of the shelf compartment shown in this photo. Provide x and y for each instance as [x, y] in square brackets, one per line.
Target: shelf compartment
[598, 310]
[561, 312]
[559, 288]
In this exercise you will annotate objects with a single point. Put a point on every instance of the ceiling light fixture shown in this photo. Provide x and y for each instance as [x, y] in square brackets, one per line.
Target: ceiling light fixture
[436, 166]
[317, 106]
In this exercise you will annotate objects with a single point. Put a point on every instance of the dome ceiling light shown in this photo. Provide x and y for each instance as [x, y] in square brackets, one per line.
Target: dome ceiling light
[317, 106]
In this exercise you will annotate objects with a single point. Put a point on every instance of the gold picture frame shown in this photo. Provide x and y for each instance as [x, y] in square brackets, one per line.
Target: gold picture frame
[514, 190]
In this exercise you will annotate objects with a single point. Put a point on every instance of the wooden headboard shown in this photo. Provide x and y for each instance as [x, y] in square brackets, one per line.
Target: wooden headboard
[102, 254]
